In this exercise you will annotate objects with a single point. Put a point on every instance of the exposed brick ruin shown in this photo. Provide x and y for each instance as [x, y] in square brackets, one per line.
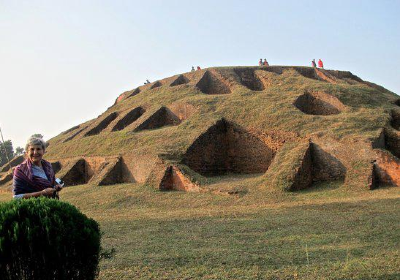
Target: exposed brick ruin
[135, 92]
[392, 141]
[307, 72]
[395, 120]
[212, 83]
[56, 166]
[156, 85]
[74, 135]
[102, 125]
[182, 110]
[181, 80]
[120, 97]
[174, 179]
[249, 79]
[325, 76]
[331, 76]
[94, 170]
[385, 171]
[162, 117]
[75, 173]
[71, 129]
[318, 103]
[227, 148]
[317, 165]
[113, 172]
[129, 118]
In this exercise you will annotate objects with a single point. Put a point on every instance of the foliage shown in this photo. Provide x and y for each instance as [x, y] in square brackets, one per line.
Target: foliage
[10, 152]
[47, 239]
[19, 151]
[37, 135]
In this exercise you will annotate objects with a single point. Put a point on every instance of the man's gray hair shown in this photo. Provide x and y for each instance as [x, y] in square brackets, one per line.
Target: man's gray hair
[33, 140]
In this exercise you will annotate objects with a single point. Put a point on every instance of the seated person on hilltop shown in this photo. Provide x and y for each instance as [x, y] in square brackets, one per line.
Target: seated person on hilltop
[35, 176]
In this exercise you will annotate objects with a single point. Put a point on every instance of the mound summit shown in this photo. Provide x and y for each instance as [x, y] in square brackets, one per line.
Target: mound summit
[289, 126]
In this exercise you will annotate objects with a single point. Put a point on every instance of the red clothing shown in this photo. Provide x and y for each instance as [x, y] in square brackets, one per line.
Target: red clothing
[320, 64]
[198, 68]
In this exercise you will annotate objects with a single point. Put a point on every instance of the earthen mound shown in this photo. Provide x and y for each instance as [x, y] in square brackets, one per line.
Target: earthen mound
[102, 125]
[129, 118]
[318, 103]
[272, 136]
[228, 148]
[156, 85]
[317, 165]
[162, 117]
[181, 80]
[249, 79]
[213, 83]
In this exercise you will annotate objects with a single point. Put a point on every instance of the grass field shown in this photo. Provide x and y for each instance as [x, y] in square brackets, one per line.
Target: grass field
[326, 232]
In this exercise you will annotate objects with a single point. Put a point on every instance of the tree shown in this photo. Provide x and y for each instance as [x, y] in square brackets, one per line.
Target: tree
[18, 151]
[37, 135]
[10, 152]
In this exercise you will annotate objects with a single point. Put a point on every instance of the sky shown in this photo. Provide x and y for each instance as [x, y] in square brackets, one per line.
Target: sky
[65, 62]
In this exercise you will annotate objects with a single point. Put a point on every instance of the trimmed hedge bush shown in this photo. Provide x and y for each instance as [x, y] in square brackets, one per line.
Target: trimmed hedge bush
[47, 239]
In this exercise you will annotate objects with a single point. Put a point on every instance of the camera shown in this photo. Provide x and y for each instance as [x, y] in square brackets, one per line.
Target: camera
[60, 182]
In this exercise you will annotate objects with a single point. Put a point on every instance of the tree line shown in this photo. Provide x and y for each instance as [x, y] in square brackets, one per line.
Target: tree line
[7, 150]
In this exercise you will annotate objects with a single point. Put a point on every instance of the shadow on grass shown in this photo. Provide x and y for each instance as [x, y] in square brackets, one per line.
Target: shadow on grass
[324, 186]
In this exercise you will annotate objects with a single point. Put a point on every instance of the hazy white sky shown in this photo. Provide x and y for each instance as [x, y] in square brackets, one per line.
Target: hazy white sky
[65, 62]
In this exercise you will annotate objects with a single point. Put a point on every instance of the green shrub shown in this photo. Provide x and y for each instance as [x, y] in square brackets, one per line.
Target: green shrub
[47, 239]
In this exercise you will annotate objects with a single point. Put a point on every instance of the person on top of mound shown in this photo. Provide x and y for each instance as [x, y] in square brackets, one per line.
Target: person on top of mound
[35, 176]
[265, 63]
[313, 63]
[320, 64]
[260, 63]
